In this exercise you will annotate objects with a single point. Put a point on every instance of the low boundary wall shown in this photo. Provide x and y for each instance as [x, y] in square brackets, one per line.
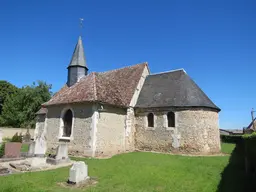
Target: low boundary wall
[9, 132]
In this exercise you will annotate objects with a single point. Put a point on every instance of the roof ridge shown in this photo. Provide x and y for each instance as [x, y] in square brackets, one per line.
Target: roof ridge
[143, 63]
[171, 71]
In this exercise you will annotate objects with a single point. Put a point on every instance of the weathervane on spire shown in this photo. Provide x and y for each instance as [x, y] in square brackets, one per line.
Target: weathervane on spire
[81, 25]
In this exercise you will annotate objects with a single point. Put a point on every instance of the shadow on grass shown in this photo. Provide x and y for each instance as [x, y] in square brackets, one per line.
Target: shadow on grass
[233, 177]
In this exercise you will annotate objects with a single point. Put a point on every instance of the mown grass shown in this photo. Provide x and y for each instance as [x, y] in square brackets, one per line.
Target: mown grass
[227, 147]
[234, 177]
[131, 172]
[24, 147]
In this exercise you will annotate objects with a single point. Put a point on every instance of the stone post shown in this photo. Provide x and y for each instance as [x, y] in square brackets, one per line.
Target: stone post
[31, 149]
[62, 151]
[40, 147]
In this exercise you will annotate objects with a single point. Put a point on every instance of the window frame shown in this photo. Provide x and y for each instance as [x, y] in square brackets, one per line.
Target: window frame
[153, 120]
[146, 121]
[166, 120]
[61, 127]
[173, 119]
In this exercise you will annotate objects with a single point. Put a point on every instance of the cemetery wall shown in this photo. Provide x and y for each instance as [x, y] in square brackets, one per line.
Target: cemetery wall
[9, 132]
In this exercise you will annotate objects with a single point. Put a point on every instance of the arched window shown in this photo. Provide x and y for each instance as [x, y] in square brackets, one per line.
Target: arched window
[67, 121]
[150, 120]
[171, 119]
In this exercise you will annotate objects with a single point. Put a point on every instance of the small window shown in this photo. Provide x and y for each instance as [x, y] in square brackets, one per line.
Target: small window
[150, 120]
[67, 119]
[171, 119]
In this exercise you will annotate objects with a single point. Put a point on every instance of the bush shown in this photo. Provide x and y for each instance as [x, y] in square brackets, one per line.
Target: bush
[231, 138]
[2, 150]
[17, 138]
[249, 136]
[7, 139]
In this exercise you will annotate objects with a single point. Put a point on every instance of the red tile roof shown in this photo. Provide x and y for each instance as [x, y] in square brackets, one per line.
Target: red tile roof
[114, 87]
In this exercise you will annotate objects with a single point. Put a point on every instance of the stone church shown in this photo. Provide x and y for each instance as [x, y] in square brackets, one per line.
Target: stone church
[128, 109]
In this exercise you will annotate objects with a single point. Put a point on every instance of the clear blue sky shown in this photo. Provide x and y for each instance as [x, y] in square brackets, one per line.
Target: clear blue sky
[214, 41]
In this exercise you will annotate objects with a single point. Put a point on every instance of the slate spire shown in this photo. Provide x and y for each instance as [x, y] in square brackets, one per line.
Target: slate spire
[78, 58]
[77, 67]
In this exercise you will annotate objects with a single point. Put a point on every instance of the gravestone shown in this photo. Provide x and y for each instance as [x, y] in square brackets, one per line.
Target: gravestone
[40, 147]
[12, 150]
[62, 151]
[61, 155]
[78, 173]
[31, 149]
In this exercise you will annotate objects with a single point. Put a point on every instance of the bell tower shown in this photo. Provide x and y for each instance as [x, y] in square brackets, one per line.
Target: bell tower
[77, 67]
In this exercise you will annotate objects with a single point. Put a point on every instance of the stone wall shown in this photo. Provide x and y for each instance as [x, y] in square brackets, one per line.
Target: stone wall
[156, 139]
[81, 139]
[9, 132]
[195, 130]
[110, 134]
[201, 130]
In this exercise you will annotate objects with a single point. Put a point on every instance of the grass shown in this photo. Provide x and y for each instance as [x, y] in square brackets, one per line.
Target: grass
[227, 147]
[24, 147]
[131, 172]
[234, 177]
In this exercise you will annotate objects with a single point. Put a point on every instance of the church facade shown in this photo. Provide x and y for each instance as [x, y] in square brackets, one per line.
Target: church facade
[128, 109]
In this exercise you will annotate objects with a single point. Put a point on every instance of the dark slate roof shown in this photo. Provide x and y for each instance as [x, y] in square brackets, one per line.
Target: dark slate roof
[42, 111]
[78, 58]
[172, 89]
[114, 87]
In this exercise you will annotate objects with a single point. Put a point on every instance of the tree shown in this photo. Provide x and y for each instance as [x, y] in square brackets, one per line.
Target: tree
[6, 89]
[19, 108]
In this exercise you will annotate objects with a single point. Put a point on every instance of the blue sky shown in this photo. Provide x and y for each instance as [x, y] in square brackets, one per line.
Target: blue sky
[214, 41]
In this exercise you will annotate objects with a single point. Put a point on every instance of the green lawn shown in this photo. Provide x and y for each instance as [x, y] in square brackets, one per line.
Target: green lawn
[131, 172]
[24, 147]
[227, 147]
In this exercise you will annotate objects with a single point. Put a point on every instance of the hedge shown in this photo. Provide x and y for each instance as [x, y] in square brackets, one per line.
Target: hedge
[17, 138]
[230, 138]
[2, 150]
[250, 152]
